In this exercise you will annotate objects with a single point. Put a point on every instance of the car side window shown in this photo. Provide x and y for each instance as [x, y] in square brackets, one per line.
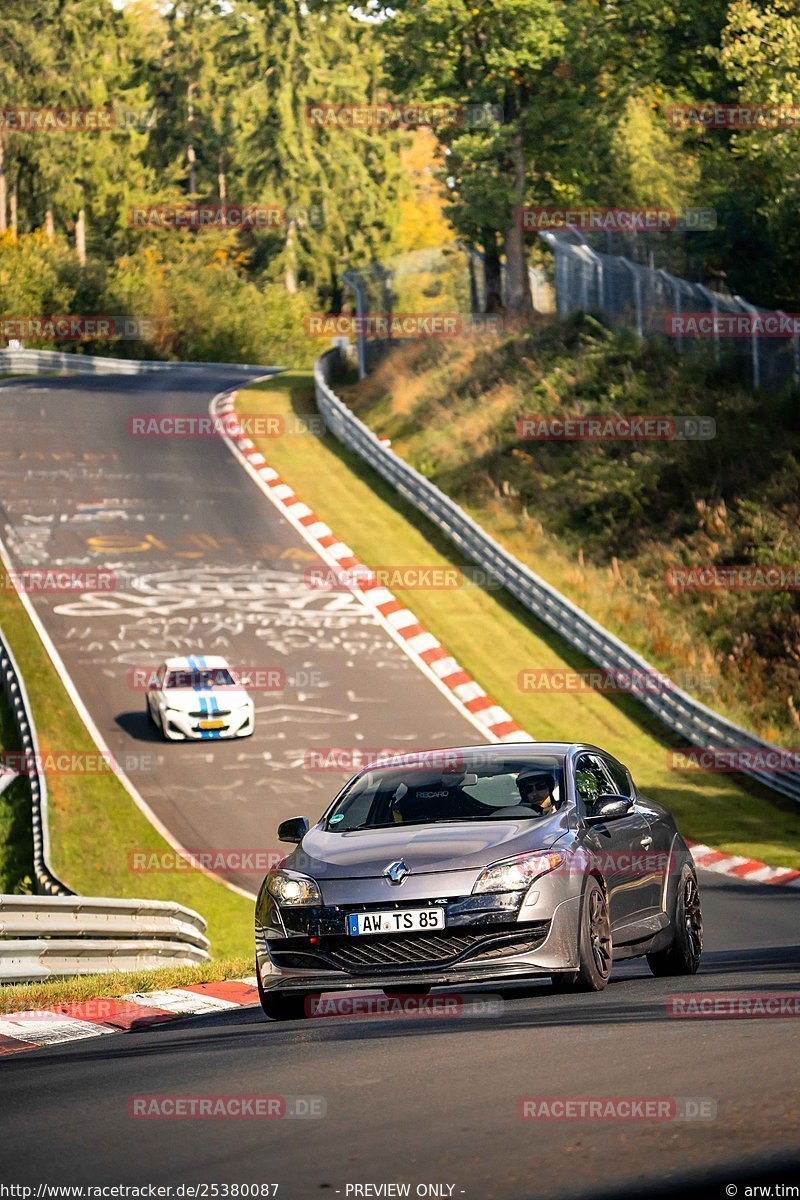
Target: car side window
[590, 779]
[619, 776]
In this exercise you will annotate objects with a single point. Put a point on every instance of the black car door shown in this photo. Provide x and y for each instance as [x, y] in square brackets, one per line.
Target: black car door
[616, 845]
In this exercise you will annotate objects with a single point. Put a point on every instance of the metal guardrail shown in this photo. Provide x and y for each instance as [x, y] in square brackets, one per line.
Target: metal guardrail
[680, 712]
[59, 933]
[43, 936]
[25, 961]
[13, 686]
[23, 361]
[88, 916]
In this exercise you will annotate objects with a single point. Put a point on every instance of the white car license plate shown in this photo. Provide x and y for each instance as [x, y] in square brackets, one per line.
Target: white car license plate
[406, 920]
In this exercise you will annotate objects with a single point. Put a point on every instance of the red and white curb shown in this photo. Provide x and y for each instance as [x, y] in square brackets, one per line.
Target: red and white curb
[493, 722]
[749, 869]
[35, 1028]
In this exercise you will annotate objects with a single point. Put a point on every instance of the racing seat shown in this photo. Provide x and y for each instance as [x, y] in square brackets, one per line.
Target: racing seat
[434, 801]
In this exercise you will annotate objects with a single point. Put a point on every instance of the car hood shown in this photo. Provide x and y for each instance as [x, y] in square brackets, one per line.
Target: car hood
[425, 849]
[188, 700]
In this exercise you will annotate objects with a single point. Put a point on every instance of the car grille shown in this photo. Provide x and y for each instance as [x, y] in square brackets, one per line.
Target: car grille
[379, 954]
[209, 716]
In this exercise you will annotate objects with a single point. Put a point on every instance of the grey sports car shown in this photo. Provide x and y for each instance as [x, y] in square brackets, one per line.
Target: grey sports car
[484, 864]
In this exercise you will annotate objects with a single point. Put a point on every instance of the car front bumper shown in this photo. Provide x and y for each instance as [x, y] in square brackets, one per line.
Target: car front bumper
[179, 726]
[508, 953]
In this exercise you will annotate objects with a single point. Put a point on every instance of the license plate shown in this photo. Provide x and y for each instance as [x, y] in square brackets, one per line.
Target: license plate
[212, 724]
[408, 920]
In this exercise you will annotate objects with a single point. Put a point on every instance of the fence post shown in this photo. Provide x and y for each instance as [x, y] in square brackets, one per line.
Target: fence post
[637, 294]
[754, 353]
[353, 280]
[714, 302]
[795, 348]
[676, 291]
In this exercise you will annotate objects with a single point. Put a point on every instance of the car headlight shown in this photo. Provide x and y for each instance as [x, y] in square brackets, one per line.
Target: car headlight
[517, 874]
[293, 889]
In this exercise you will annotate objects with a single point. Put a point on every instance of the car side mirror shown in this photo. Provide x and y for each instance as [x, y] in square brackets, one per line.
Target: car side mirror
[293, 830]
[608, 807]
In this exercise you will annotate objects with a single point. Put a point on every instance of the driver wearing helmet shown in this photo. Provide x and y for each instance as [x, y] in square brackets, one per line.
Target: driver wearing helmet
[536, 790]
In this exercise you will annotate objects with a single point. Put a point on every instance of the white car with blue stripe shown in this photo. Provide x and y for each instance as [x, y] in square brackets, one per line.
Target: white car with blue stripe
[199, 698]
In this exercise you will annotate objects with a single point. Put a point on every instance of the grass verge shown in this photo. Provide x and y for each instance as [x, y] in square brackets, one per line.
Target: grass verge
[94, 824]
[20, 997]
[494, 637]
[609, 522]
[16, 837]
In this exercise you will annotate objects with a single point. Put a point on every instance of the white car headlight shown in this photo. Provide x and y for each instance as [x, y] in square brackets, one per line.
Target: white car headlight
[293, 889]
[517, 874]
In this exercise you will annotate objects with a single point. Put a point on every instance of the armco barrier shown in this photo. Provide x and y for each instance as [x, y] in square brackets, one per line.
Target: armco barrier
[23, 962]
[12, 684]
[43, 936]
[59, 933]
[693, 721]
[88, 916]
[26, 361]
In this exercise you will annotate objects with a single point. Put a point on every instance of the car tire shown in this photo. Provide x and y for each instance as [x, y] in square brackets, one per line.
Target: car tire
[682, 956]
[279, 1006]
[149, 712]
[594, 945]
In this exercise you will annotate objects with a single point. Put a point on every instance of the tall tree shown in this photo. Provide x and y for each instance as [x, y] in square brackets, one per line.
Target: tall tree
[476, 55]
[340, 186]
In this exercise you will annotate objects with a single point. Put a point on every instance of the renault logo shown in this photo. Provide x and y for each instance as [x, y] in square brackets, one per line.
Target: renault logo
[396, 871]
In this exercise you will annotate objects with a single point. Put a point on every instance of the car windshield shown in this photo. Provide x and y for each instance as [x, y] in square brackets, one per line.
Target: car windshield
[211, 677]
[477, 790]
